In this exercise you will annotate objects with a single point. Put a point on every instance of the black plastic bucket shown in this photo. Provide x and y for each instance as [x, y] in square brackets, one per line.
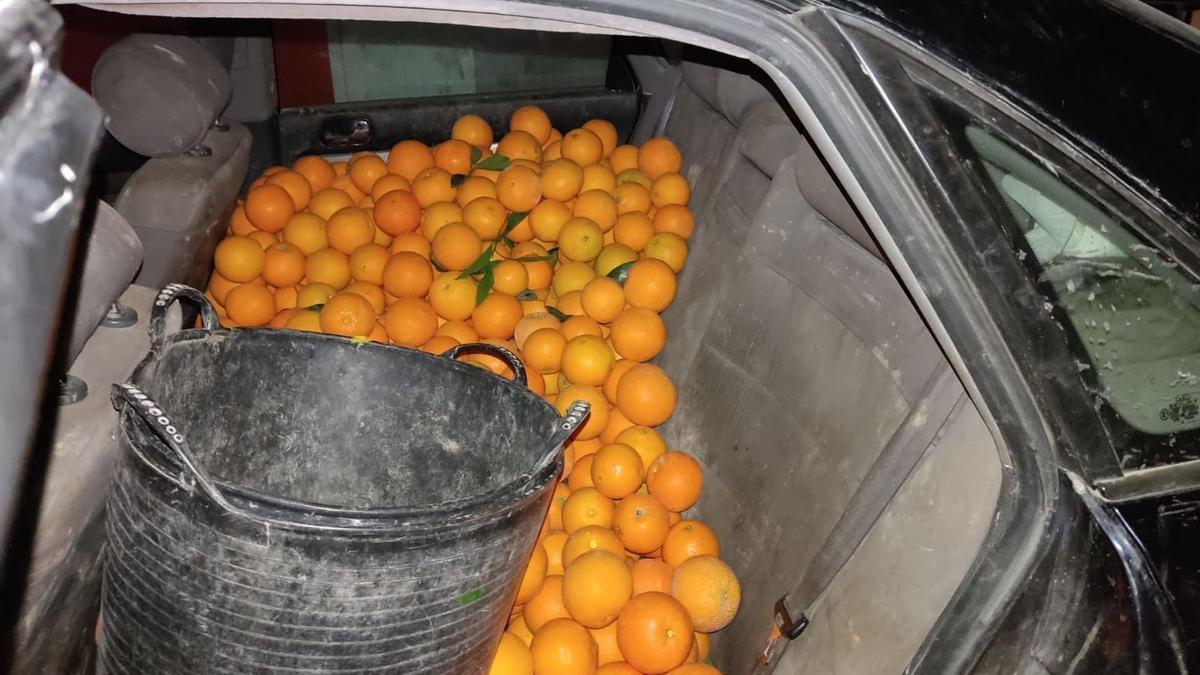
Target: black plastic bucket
[295, 502]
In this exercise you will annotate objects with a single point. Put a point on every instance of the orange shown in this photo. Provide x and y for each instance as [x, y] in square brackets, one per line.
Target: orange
[688, 539]
[296, 185]
[587, 360]
[633, 176]
[676, 479]
[708, 589]
[397, 212]
[546, 605]
[623, 158]
[339, 168]
[512, 657]
[585, 448]
[554, 543]
[651, 284]
[329, 201]
[517, 627]
[633, 230]
[606, 132]
[519, 188]
[582, 146]
[703, 646]
[219, 286]
[239, 223]
[510, 277]
[563, 647]
[597, 206]
[365, 169]
[608, 651]
[451, 297]
[536, 262]
[612, 256]
[554, 515]
[654, 632]
[348, 314]
[409, 158]
[496, 316]
[239, 259]
[346, 185]
[519, 145]
[486, 216]
[670, 188]
[640, 520]
[617, 422]
[632, 198]
[590, 538]
[371, 292]
[306, 232]
[472, 129]
[459, 330]
[532, 322]
[250, 305]
[452, 156]
[412, 242]
[646, 395]
[614, 378]
[532, 120]
[268, 207]
[314, 293]
[328, 266]
[410, 322]
[617, 472]
[693, 668]
[432, 185]
[598, 177]
[316, 170]
[572, 276]
[456, 246]
[596, 585]
[586, 506]
[439, 215]
[658, 156]
[349, 228]
[283, 265]
[306, 320]
[581, 473]
[367, 263]
[570, 304]
[281, 317]
[638, 334]
[264, 239]
[547, 219]
[407, 275]
[603, 299]
[543, 350]
[436, 345]
[669, 248]
[473, 188]
[617, 667]
[674, 218]
[561, 179]
[580, 239]
[388, 183]
[535, 574]
[650, 574]
[580, 325]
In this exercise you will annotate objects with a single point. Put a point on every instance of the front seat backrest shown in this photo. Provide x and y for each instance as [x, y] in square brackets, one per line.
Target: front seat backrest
[111, 259]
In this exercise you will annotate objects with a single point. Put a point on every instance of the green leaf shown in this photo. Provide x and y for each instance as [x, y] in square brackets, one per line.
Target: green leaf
[554, 257]
[360, 339]
[437, 265]
[527, 295]
[553, 311]
[620, 272]
[457, 179]
[511, 222]
[485, 286]
[493, 163]
[476, 155]
[483, 262]
[315, 308]
[470, 597]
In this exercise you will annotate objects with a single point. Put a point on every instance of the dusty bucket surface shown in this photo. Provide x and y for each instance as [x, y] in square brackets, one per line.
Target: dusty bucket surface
[289, 501]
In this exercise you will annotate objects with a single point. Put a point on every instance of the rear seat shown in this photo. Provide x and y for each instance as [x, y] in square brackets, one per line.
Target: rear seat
[797, 354]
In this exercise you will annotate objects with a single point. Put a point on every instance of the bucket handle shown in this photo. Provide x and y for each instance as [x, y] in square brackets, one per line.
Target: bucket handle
[136, 400]
[577, 414]
[168, 295]
[505, 355]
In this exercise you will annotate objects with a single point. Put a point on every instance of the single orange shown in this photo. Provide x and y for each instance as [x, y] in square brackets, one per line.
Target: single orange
[535, 258]
[512, 657]
[250, 305]
[532, 322]
[388, 183]
[586, 447]
[640, 520]
[239, 259]
[219, 286]
[563, 647]
[632, 198]
[407, 275]
[587, 360]
[596, 585]
[472, 129]
[676, 478]
[638, 334]
[654, 632]
[365, 169]
[612, 256]
[572, 276]
[486, 216]
[586, 506]
[580, 239]
[646, 395]
[367, 263]
[532, 120]
[412, 242]
[674, 218]
[346, 185]
[519, 145]
[617, 472]
[669, 248]
[432, 185]
[496, 316]
[617, 422]
[397, 212]
[633, 230]
[606, 132]
[348, 314]
[473, 188]
[283, 265]
[438, 344]
[598, 177]
[459, 330]
[451, 297]
[305, 231]
[316, 169]
[598, 206]
[651, 284]
[658, 156]
[437, 216]
[668, 189]
[349, 228]
[561, 179]
[239, 223]
[409, 158]
[581, 474]
[603, 300]
[327, 202]
[582, 146]
[328, 266]
[456, 246]
[708, 589]
[510, 277]
[452, 156]
[546, 605]
[410, 322]
[623, 158]
[590, 538]
[534, 576]
[268, 207]
[688, 539]
[296, 185]
[580, 325]
[651, 575]
[543, 350]
[370, 291]
[519, 188]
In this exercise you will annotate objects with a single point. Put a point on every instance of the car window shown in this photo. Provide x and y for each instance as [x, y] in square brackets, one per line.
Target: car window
[1130, 313]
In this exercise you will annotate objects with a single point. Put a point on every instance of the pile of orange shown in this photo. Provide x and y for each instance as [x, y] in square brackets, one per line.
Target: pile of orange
[564, 248]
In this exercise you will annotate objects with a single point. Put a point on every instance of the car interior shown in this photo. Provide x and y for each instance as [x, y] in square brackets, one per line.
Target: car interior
[799, 355]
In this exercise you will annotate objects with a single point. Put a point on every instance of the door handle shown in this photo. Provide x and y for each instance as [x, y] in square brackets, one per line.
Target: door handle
[347, 131]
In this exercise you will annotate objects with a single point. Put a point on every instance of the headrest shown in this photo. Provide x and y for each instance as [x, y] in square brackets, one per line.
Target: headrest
[161, 92]
[729, 92]
[820, 190]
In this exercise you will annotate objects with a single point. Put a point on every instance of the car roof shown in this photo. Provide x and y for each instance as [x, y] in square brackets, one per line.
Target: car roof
[1116, 77]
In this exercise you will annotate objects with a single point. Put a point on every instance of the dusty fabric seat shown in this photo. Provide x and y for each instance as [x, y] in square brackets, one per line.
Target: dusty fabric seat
[112, 257]
[164, 95]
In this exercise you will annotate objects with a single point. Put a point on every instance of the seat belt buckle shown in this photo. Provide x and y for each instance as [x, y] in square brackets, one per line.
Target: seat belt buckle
[783, 627]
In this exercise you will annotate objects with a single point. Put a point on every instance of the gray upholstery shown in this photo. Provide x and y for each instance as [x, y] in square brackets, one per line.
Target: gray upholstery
[161, 92]
[113, 255]
[797, 354]
[178, 206]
